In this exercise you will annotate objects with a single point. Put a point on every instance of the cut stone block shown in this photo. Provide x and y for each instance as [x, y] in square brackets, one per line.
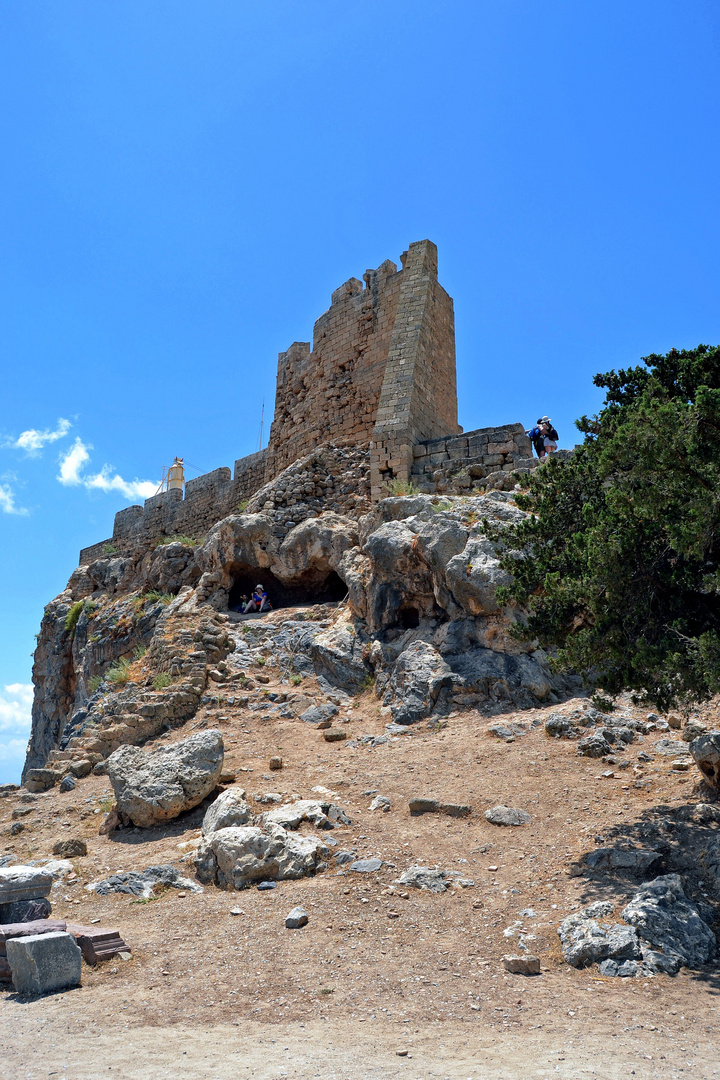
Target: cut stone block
[97, 943]
[23, 883]
[25, 911]
[44, 962]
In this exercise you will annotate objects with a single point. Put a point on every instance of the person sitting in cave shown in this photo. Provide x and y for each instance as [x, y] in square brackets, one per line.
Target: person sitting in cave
[259, 601]
[244, 599]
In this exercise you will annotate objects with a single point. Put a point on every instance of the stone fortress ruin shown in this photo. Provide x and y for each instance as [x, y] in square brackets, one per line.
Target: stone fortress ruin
[378, 386]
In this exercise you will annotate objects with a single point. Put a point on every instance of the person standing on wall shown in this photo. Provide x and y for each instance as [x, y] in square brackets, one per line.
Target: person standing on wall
[550, 435]
[536, 435]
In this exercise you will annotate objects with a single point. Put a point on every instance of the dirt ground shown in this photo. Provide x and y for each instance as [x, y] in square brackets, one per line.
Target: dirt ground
[212, 994]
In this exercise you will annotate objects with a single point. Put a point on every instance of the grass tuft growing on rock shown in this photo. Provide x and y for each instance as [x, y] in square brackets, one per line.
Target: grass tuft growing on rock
[71, 619]
[119, 673]
[161, 681]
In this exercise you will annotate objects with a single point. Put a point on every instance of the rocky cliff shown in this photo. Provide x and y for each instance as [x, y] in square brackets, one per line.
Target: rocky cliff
[138, 640]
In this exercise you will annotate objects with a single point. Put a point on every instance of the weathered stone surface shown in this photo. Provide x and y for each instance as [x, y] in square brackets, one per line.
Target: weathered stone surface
[23, 883]
[706, 753]
[317, 713]
[634, 860]
[664, 917]
[23, 911]
[334, 735]
[70, 849]
[97, 943]
[44, 962]
[229, 809]
[40, 779]
[671, 747]
[422, 877]
[594, 746]
[415, 683]
[522, 965]
[156, 786]
[474, 576]
[584, 941]
[507, 815]
[366, 866]
[234, 858]
[296, 918]
[144, 883]
[434, 806]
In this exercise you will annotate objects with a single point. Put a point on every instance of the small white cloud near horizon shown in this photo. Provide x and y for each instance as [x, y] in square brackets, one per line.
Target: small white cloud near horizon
[15, 707]
[74, 461]
[32, 441]
[13, 750]
[7, 501]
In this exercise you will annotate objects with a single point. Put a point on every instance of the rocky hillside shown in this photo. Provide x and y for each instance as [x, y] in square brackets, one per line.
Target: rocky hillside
[139, 639]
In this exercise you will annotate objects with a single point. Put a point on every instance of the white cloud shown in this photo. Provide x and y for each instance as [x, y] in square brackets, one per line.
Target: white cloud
[32, 441]
[131, 489]
[13, 750]
[15, 707]
[7, 501]
[74, 461]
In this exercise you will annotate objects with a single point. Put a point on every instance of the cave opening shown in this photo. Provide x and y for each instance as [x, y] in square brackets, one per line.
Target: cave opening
[408, 617]
[319, 586]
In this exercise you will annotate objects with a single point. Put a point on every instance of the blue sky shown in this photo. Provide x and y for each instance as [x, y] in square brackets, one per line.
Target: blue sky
[184, 183]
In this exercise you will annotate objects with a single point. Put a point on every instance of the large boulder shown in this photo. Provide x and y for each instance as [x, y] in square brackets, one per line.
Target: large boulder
[706, 754]
[664, 917]
[234, 858]
[415, 683]
[229, 809]
[151, 787]
[585, 941]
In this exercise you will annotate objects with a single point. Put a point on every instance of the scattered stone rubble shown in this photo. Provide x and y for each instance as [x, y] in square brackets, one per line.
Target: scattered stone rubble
[23, 894]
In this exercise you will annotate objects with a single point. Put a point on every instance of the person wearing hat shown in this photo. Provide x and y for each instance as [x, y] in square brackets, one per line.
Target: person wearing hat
[550, 435]
[258, 601]
[536, 436]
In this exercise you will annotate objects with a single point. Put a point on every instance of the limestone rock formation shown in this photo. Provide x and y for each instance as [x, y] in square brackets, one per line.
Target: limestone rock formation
[157, 786]
[418, 620]
[234, 858]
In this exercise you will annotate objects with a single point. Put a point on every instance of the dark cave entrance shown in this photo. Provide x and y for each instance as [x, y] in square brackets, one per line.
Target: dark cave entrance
[319, 586]
[408, 617]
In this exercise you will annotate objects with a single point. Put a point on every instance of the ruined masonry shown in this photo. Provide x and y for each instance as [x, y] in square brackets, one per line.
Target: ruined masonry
[379, 378]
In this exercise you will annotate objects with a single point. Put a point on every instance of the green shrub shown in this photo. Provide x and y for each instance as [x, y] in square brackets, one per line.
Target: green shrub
[139, 651]
[242, 505]
[155, 597]
[71, 619]
[93, 683]
[296, 679]
[400, 487]
[119, 673]
[261, 660]
[181, 538]
[109, 549]
[161, 681]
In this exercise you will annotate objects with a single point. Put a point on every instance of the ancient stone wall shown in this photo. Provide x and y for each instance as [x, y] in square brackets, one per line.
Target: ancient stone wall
[475, 460]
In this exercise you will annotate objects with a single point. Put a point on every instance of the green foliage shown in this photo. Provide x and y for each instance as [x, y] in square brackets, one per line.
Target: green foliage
[242, 505]
[139, 651]
[441, 505]
[400, 487]
[161, 681]
[110, 549]
[296, 680]
[71, 619]
[618, 565]
[119, 673]
[261, 660]
[156, 597]
[188, 541]
[94, 683]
